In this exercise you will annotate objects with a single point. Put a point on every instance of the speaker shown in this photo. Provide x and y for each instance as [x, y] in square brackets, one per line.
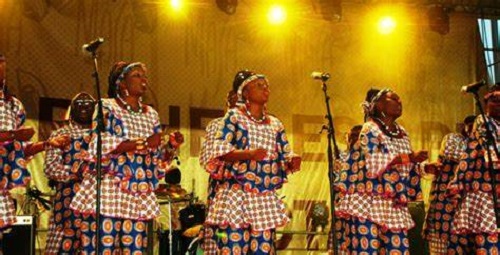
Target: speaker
[19, 239]
[417, 244]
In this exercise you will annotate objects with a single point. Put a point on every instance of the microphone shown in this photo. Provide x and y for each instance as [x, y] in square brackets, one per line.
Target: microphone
[473, 87]
[92, 46]
[320, 76]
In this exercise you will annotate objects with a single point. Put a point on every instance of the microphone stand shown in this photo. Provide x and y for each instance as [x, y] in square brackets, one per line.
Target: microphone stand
[170, 230]
[490, 139]
[331, 166]
[100, 129]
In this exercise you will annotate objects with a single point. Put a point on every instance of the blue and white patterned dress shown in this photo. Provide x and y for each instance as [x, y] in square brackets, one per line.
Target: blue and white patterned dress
[128, 182]
[65, 167]
[376, 193]
[245, 198]
[12, 159]
[216, 170]
[437, 228]
[472, 191]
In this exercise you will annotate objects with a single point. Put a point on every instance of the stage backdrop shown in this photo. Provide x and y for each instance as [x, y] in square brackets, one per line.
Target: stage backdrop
[192, 58]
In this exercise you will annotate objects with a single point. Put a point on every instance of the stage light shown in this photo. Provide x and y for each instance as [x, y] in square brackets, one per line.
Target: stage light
[227, 6]
[176, 5]
[174, 9]
[439, 21]
[276, 15]
[386, 25]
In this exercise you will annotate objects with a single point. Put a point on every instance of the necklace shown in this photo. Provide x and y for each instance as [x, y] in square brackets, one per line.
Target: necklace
[2, 89]
[386, 128]
[262, 119]
[129, 108]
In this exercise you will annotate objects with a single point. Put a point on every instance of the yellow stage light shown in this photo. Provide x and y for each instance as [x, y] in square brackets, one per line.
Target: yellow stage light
[276, 15]
[388, 37]
[386, 25]
[275, 21]
[176, 5]
[175, 9]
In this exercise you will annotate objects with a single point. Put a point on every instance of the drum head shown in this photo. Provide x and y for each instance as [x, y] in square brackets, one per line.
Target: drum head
[192, 231]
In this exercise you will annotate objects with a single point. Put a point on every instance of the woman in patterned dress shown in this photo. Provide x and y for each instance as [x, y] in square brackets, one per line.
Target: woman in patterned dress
[209, 241]
[254, 150]
[437, 228]
[15, 148]
[379, 180]
[131, 155]
[474, 223]
[352, 138]
[64, 167]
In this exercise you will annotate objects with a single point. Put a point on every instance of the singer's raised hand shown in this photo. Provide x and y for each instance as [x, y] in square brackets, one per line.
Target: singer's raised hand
[258, 154]
[432, 168]
[294, 163]
[154, 140]
[176, 139]
[59, 141]
[419, 156]
[24, 134]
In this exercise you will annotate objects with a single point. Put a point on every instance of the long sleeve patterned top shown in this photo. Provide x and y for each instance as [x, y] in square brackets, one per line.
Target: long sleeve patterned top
[245, 194]
[471, 187]
[441, 210]
[238, 131]
[129, 178]
[63, 165]
[12, 157]
[374, 187]
[137, 172]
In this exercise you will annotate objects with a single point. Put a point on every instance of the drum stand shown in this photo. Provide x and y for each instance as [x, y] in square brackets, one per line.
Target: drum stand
[169, 202]
[170, 236]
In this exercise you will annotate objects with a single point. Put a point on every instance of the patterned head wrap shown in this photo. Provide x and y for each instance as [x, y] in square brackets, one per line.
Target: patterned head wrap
[369, 106]
[126, 70]
[245, 83]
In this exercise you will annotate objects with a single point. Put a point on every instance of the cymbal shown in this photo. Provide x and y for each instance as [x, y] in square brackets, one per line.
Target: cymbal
[167, 200]
[192, 231]
[167, 194]
[171, 191]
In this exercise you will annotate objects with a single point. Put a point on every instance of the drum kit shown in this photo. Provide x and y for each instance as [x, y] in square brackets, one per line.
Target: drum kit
[184, 217]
